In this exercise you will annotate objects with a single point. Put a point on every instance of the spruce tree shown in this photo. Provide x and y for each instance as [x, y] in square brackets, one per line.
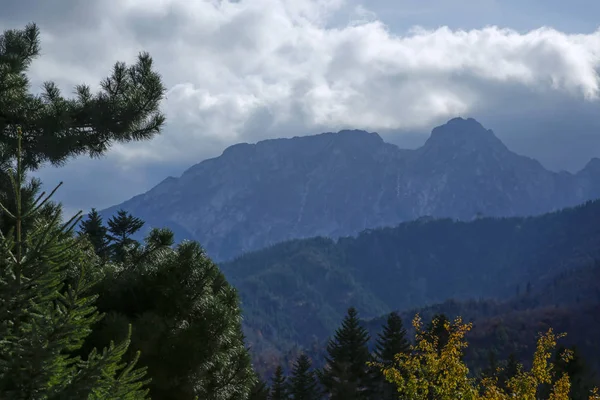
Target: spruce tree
[94, 229]
[303, 381]
[346, 375]
[278, 385]
[43, 322]
[390, 342]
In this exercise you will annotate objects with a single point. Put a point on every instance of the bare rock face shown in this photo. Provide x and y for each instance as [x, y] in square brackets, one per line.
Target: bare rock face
[337, 184]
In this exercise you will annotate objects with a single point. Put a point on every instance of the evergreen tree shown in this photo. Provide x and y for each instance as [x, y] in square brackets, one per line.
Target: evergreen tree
[492, 368]
[120, 229]
[57, 128]
[278, 385]
[390, 342]
[259, 391]
[576, 368]
[303, 382]
[187, 319]
[511, 370]
[346, 375]
[96, 232]
[42, 321]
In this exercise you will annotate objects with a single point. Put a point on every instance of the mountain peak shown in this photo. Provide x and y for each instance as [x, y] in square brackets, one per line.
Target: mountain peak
[467, 134]
[337, 184]
[593, 166]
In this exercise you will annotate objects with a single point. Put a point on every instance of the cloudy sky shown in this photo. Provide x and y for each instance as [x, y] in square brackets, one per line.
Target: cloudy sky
[248, 70]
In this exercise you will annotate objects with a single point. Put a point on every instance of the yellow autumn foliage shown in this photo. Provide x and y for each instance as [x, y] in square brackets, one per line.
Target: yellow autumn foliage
[430, 373]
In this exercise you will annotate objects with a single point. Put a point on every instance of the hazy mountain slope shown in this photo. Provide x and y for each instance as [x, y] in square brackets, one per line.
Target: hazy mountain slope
[464, 169]
[412, 265]
[574, 288]
[338, 184]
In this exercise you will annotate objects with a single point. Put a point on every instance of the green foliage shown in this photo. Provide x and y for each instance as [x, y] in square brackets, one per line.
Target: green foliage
[294, 293]
[346, 375]
[259, 391]
[120, 229]
[579, 372]
[45, 322]
[57, 128]
[187, 317]
[96, 233]
[437, 333]
[279, 389]
[391, 341]
[303, 381]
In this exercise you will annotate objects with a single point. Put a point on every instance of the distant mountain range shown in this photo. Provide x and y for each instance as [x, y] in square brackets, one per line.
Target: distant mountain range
[338, 184]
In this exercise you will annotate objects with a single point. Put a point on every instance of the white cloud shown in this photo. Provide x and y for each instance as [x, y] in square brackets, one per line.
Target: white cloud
[225, 61]
[252, 69]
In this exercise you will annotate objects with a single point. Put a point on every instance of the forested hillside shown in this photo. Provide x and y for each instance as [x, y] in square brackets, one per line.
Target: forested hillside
[503, 333]
[569, 302]
[296, 290]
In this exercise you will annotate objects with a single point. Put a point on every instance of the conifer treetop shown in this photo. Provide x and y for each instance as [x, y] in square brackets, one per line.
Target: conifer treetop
[57, 128]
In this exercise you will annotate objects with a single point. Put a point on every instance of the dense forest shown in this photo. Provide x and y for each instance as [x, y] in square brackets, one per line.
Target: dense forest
[571, 303]
[88, 312]
[296, 292]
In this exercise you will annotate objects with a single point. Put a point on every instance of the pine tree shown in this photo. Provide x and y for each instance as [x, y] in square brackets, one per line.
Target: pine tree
[96, 233]
[390, 342]
[303, 382]
[278, 385]
[57, 128]
[42, 321]
[260, 391]
[187, 319]
[346, 375]
[120, 229]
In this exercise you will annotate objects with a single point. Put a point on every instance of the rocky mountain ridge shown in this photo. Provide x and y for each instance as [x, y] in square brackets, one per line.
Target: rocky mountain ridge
[338, 184]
